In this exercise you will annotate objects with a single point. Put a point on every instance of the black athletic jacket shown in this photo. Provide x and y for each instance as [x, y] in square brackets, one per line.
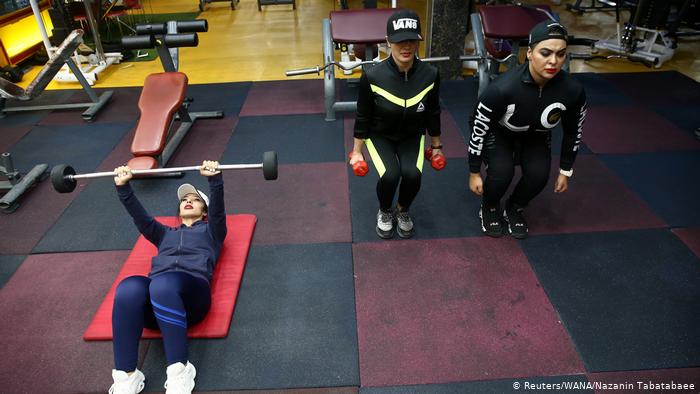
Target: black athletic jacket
[514, 105]
[397, 105]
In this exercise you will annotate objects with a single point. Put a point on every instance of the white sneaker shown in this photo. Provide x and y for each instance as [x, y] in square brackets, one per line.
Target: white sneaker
[180, 378]
[385, 224]
[127, 384]
[405, 224]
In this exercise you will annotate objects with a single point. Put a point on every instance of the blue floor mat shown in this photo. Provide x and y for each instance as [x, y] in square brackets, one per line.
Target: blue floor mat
[665, 181]
[629, 299]
[8, 266]
[82, 146]
[295, 138]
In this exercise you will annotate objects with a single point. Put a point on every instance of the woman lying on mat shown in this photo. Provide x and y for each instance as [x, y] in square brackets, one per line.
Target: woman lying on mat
[512, 125]
[398, 101]
[176, 293]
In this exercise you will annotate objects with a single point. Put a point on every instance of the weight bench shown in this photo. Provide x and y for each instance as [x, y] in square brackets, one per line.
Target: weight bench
[15, 184]
[366, 26]
[162, 99]
[162, 96]
[9, 90]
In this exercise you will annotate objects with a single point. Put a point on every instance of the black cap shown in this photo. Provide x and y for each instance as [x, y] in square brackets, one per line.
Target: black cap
[547, 30]
[403, 25]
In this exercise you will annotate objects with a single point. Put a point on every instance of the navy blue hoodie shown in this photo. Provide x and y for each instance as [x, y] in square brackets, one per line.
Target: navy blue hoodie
[194, 249]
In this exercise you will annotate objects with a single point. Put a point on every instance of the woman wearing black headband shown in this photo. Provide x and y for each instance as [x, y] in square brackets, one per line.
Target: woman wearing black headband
[512, 125]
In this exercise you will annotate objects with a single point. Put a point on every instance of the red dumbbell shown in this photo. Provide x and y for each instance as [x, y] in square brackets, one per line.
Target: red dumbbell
[438, 162]
[360, 168]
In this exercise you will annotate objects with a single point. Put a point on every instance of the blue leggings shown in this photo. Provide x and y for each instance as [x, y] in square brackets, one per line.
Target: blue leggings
[171, 302]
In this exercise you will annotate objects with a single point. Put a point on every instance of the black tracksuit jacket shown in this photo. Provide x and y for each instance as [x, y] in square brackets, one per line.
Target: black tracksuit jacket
[515, 106]
[398, 105]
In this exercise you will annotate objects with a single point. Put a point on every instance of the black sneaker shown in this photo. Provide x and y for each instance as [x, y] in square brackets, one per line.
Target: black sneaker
[517, 226]
[404, 224]
[385, 224]
[491, 221]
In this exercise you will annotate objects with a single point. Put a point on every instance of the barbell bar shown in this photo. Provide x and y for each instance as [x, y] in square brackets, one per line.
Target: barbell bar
[64, 178]
[318, 69]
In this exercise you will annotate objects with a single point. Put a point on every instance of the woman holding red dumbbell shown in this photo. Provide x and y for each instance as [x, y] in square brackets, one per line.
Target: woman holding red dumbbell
[397, 103]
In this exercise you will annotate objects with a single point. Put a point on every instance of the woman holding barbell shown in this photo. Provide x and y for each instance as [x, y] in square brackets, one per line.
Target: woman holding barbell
[513, 120]
[176, 294]
[398, 101]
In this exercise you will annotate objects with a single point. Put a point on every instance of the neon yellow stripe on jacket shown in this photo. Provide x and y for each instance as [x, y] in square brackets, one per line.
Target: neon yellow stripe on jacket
[417, 98]
[396, 100]
[399, 101]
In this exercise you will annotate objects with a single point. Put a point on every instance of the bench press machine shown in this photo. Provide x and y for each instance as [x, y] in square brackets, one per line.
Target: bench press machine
[162, 99]
[366, 27]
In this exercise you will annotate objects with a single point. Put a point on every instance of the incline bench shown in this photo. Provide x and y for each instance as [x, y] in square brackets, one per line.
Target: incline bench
[163, 94]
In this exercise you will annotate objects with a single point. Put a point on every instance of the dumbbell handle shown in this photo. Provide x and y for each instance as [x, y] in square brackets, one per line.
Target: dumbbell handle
[164, 171]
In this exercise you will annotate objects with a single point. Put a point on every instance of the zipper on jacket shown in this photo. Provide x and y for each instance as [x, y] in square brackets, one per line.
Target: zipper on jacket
[403, 116]
[540, 92]
[179, 248]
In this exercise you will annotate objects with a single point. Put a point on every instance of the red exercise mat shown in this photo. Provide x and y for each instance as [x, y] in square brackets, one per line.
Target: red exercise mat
[224, 286]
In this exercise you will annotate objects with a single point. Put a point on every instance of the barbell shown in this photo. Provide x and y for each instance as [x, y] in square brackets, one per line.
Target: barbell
[64, 178]
[318, 69]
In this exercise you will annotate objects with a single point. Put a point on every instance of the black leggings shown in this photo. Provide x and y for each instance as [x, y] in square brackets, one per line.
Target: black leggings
[397, 161]
[533, 153]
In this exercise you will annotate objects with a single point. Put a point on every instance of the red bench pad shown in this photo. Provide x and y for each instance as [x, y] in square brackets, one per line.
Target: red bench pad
[161, 97]
[224, 286]
[509, 21]
[360, 26]
[142, 163]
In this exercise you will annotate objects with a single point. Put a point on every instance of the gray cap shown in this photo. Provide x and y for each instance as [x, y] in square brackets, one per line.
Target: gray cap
[186, 189]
